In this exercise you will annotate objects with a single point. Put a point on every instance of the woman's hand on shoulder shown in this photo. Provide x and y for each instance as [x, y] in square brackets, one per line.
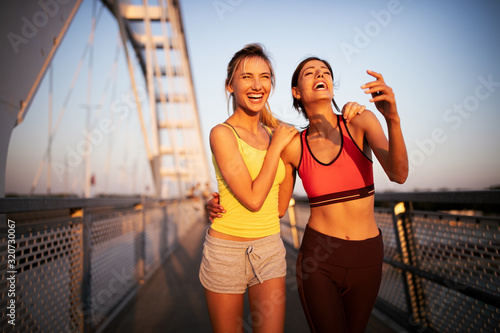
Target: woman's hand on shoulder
[282, 136]
[364, 126]
[351, 110]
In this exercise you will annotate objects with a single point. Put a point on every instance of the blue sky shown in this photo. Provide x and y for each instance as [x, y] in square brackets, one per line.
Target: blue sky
[440, 57]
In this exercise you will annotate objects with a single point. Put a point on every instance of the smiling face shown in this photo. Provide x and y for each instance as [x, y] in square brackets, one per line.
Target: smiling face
[314, 83]
[251, 85]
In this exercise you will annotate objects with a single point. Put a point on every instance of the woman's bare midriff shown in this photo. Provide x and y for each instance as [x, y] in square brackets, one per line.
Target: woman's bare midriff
[350, 220]
[221, 235]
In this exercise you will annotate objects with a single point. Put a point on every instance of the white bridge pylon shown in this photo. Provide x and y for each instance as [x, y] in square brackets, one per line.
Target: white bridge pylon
[172, 133]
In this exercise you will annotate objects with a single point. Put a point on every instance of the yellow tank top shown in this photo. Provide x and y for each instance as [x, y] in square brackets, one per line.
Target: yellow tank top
[238, 220]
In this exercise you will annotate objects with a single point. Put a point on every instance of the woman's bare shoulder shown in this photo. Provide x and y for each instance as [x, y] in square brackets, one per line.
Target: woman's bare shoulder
[291, 153]
[364, 120]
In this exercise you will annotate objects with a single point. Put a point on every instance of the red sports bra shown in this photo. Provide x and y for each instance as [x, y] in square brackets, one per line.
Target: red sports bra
[348, 177]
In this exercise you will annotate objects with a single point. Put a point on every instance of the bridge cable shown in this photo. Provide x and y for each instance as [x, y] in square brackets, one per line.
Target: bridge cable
[64, 107]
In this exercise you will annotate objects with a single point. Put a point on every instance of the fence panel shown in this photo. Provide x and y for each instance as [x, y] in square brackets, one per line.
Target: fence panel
[47, 273]
[75, 263]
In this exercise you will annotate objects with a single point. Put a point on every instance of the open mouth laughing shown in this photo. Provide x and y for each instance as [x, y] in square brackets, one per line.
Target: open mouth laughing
[255, 97]
[321, 85]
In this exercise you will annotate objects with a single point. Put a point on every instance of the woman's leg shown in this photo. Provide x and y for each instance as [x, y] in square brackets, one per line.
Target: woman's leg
[226, 311]
[320, 295]
[267, 305]
[361, 296]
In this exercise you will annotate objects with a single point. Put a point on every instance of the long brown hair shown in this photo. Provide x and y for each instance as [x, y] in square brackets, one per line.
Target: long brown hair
[247, 52]
[297, 104]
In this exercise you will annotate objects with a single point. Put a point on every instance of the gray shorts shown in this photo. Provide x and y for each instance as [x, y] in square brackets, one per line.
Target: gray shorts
[230, 267]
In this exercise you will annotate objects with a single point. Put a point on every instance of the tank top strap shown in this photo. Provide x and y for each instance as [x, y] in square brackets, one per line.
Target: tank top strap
[231, 127]
[269, 132]
[235, 132]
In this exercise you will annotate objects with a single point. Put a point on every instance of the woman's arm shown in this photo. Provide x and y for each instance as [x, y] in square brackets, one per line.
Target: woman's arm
[291, 158]
[285, 194]
[391, 153]
[286, 189]
[251, 193]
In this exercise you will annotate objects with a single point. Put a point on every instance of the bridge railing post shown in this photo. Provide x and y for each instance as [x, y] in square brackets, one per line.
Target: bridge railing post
[86, 271]
[140, 244]
[405, 240]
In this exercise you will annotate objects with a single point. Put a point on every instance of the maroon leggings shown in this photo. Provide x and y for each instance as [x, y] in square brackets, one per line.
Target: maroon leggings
[338, 281]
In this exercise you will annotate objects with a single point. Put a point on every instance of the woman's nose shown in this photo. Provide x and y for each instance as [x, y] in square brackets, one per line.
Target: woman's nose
[256, 84]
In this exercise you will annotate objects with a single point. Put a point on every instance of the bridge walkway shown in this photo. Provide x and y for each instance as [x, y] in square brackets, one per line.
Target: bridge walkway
[172, 299]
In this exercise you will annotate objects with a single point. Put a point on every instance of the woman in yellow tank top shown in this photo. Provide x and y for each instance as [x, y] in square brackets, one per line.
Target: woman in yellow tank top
[243, 250]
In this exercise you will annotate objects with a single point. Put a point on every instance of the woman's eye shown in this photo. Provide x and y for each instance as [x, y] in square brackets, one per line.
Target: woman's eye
[308, 73]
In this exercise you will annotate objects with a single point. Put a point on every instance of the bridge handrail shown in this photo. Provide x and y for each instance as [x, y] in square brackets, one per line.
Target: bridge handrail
[489, 197]
[16, 205]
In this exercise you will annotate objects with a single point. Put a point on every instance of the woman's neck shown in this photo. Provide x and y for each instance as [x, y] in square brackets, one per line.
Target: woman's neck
[322, 120]
[243, 119]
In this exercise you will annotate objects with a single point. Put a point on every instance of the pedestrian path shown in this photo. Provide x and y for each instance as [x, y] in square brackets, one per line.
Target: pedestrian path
[172, 300]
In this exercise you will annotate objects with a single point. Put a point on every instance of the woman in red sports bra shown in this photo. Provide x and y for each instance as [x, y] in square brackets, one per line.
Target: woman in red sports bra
[339, 265]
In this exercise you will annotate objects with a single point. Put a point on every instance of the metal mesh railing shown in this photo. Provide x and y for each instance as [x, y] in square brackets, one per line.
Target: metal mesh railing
[75, 263]
[465, 247]
[392, 287]
[47, 275]
[114, 260]
[154, 238]
[441, 271]
[463, 254]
